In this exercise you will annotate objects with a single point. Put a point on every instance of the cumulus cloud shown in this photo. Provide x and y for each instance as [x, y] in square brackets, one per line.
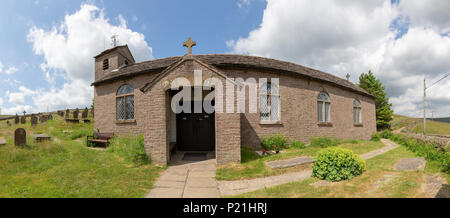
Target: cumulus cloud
[428, 13]
[70, 46]
[349, 36]
[11, 70]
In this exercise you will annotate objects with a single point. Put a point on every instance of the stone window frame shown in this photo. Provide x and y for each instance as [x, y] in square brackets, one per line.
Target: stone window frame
[125, 105]
[325, 113]
[270, 96]
[357, 106]
[106, 64]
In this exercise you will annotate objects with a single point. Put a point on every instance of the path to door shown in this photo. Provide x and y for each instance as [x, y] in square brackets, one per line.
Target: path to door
[244, 186]
[187, 179]
[197, 179]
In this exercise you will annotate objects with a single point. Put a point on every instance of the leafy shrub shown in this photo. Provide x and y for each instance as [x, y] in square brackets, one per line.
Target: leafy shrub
[426, 150]
[324, 142]
[386, 134]
[297, 144]
[130, 148]
[279, 140]
[336, 164]
[375, 137]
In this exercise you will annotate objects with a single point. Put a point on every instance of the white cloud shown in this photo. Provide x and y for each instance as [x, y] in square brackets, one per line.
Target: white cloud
[17, 98]
[11, 70]
[1, 66]
[343, 37]
[70, 47]
[16, 109]
[428, 13]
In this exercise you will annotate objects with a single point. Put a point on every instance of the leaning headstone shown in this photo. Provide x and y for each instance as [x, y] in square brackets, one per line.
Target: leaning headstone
[67, 114]
[20, 137]
[34, 120]
[23, 120]
[75, 114]
[85, 113]
[16, 119]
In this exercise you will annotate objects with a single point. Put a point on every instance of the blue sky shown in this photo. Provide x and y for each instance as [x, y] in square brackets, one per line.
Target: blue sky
[402, 42]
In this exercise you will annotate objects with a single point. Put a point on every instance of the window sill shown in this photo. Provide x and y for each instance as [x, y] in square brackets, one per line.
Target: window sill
[270, 123]
[358, 125]
[325, 124]
[125, 121]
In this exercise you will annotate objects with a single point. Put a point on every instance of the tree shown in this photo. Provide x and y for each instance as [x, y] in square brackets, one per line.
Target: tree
[372, 85]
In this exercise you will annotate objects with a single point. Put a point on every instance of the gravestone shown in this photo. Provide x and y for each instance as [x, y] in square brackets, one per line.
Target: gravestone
[50, 117]
[20, 137]
[411, 164]
[85, 113]
[16, 119]
[67, 114]
[43, 119]
[23, 120]
[75, 114]
[8, 123]
[34, 120]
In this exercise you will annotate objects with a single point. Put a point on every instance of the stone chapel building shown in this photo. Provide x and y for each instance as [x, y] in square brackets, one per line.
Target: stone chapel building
[135, 98]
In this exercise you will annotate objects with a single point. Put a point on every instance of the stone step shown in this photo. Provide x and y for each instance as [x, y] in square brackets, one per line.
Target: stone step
[290, 162]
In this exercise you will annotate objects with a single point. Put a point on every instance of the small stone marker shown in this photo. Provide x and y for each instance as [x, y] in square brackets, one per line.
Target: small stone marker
[410, 164]
[23, 120]
[85, 113]
[290, 162]
[41, 137]
[67, 114]
[2, 141]
[75, 114]
[20, 137]
[16, 119]
[33, 120]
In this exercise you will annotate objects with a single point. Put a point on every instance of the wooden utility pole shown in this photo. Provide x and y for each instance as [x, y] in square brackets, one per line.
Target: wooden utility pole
[424, 107]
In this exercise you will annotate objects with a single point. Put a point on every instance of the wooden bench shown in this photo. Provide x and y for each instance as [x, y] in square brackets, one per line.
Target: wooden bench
[100, 138]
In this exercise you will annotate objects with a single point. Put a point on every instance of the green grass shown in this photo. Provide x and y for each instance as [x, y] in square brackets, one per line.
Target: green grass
[379, 180]
[416, 124]
[67, 168]
[253, 166]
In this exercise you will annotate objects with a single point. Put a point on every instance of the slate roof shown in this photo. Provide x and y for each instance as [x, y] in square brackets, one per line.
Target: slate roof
[233, 60]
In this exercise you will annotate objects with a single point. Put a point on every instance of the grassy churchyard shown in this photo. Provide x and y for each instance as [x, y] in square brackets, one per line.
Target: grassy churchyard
[66, 167]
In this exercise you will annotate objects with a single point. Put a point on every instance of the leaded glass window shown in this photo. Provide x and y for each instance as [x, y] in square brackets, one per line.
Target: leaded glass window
[269, 103]
[323, 107]
[125, 103]
[357, 112]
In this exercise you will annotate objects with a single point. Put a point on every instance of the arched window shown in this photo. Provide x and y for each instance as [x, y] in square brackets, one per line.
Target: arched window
[269, 103]
[323, 107]
[357, 112]
[125, 103]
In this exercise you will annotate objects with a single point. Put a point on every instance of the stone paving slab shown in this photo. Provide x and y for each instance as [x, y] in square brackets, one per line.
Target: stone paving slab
[389, 146]
[290, 162]
[243, 186]
[2, 141]
[410, 164]
[161, 192]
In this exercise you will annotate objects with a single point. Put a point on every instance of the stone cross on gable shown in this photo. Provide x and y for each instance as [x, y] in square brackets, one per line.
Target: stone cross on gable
[189, 44]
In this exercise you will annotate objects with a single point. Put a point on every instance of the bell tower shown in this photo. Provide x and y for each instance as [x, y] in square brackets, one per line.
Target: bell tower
[111, 60]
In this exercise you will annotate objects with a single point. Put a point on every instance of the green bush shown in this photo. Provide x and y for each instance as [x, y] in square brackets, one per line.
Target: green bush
[324, 142]
[375, 137]
[426, 150]
[279, 140]
[297, 144]
[336, 164]
[132, 149]
[386, 134]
